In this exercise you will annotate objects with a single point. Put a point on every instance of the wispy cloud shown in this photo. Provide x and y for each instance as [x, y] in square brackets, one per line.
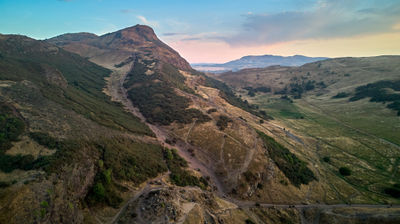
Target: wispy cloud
[328, 19]
[145, 21]
[172, 34]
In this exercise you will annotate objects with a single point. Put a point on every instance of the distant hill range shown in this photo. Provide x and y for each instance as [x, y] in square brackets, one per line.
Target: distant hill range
[256, 62]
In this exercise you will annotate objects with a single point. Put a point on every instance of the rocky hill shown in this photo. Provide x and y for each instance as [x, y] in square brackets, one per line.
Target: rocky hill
[114, 49]
[119, 129]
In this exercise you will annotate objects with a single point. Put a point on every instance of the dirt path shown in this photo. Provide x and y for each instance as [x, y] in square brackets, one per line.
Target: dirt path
[190, 129]
[115, 88]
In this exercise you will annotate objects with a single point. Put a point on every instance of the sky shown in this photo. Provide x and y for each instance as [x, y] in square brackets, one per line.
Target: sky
[223, 30]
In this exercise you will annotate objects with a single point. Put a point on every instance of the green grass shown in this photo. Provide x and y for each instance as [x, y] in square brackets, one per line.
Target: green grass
[279, 107]
[348, 134]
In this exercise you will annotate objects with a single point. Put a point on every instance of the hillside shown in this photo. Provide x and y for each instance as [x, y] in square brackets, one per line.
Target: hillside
[346, 106]
[120, 129]
[261, 61]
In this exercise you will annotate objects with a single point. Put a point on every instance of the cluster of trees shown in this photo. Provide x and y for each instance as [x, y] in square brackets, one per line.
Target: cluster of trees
[294, 169]
[123, 160]
[223, 121]
[252, 91]
[46, 140]
[179, 176]
[9, 163]
[132, 161]
[382, 91]
[104, 188]
[296, 89]
[11, 127]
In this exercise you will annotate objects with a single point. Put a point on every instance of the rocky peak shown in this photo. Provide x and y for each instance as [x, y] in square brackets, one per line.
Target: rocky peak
[119, 45]
[141, 31]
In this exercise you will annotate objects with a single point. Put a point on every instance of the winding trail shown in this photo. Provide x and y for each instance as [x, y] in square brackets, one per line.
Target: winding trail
[118, 93]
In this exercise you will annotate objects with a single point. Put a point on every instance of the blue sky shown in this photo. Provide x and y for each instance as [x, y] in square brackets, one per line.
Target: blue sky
[217, 31]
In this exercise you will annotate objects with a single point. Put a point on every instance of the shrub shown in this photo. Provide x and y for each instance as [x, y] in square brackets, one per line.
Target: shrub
[326, 159]
[394, 192]
[344, 171]
[99, 191]
[223, 121]
[341, 95]
[249, 221]
[45, 140]
[212, 110]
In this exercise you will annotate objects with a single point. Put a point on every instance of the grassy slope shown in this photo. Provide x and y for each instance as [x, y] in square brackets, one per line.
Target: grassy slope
[85, 81]
[374, 163]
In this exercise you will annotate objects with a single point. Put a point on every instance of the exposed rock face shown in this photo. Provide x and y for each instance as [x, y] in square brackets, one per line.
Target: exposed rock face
[118, 46]
[54, 76]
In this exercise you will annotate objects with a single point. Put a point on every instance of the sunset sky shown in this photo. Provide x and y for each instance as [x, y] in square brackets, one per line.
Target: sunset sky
[223, 30]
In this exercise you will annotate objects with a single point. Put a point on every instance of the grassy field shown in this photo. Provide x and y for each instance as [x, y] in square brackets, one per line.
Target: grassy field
[359, 135]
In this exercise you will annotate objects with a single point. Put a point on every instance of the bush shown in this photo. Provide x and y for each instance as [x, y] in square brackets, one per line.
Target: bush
[393, 191]
[326, 159]
[8, 163]
[99, 192]
[341, 95]
[249, 221]
[223, 121]
[344, 171]
[11, 127]
[294, 169]
[45, 140]
[212, 110]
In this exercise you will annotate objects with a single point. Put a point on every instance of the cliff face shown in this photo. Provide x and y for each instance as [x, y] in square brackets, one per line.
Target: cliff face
[113, 48]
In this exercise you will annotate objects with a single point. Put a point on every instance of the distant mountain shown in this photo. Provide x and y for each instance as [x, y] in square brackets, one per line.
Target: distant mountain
[256, 62]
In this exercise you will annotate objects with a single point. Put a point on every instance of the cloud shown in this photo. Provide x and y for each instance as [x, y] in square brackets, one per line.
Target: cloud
[147, 22]
[191, 38]
[172, 34]
[328, 19]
